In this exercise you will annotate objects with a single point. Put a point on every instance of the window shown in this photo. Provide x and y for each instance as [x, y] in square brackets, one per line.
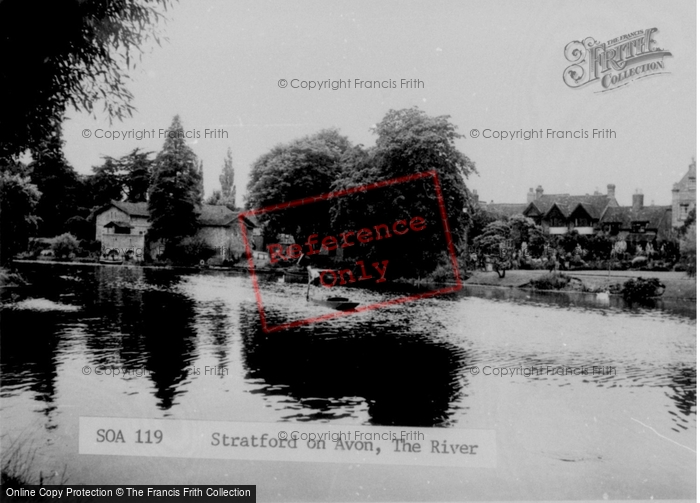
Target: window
[684, 211]
[556, 221]
[639, 226]
[122, 230]
[613, 228]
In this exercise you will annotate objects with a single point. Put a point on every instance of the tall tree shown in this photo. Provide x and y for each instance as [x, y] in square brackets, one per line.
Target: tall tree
[68, 53]
[137, 167]
[62, 194]
[226, 179]
[408, 142]
[18, 221]
[106, 183]
[174, 197]
[303, 168]
[200, 184]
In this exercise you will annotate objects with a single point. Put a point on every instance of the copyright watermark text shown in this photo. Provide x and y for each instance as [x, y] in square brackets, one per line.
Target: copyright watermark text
[339, 84]
[153, 134]
[543, 134]
[542, 370]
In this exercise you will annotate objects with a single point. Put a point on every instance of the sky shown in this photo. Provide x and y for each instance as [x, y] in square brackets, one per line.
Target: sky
[495, 65]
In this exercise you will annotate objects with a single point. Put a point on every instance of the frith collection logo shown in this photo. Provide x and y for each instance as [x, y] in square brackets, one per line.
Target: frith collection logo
[615, 63]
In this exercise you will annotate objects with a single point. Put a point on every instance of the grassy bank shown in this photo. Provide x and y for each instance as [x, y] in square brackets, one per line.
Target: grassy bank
[678, 284]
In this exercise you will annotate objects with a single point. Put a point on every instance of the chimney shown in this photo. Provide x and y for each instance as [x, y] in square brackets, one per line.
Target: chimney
[637, 201]
[539, 191]
[530, 196]
[475, 194]
[611, 191]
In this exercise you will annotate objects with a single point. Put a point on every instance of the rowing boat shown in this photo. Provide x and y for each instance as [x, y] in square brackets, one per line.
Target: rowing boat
[338, 303]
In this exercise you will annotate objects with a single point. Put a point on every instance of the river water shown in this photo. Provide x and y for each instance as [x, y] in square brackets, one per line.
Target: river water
[625, 433]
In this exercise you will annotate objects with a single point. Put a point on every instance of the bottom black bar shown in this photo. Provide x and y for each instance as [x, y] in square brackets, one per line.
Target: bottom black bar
[128, 493]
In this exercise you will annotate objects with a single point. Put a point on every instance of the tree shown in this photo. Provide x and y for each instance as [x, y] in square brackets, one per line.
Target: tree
[688, 247]
[494, 238]
[215, 199]
[408, 142]
[688, 243]
[200, 182]
[228, 189]
[174, 195]
[67, 53]
[137, 167]
[106, 183]
[18, 221]
[65, 245]
[306, 167]
[479, 219]
[62, 192]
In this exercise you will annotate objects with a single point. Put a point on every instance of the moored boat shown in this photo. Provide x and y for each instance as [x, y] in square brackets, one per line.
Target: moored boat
[111, 260]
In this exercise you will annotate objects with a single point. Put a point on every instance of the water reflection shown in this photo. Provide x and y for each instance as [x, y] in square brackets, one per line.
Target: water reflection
[405, 378]
[29, 361]
[406, 367]
[138, 323]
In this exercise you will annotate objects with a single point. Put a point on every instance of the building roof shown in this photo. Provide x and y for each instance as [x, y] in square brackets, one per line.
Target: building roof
[625, 215]
[132, 209]
[658, 219]
[120, 223]
[251, 221]
[504, 209]
[594, 205]
[216, 215]
[210, 215]
[688, 178]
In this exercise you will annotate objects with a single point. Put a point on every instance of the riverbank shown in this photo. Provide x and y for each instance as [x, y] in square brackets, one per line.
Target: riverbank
[678, 284]
[241, 268]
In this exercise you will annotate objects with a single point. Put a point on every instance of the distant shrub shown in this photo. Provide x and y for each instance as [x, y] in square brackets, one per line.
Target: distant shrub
[657, 265]
[537, 263]
[551, 281]
[190, 251]
[65, 245]
[443, 273]
[642, 288]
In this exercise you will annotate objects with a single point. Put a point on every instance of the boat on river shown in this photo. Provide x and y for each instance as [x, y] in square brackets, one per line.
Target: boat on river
[111, 258]
[338, 303]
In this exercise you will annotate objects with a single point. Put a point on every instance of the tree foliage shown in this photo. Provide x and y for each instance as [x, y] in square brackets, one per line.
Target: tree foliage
[408, 142]
[127, 177]
[18, 221]
[137, 167]
[68, 53]
[306, 167]
[106, 183]
[688, 243]
[65, 245]
[226, 179]
[174, 196]
[494, 237]
[62, 194]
